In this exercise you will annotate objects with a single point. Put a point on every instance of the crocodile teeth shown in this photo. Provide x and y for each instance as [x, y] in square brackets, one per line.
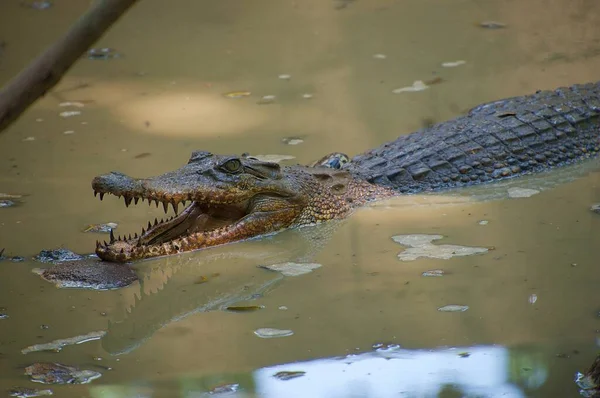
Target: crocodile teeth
[149, 202]
[97, 244]
[143, 231]
[127, 200]
[112, 236]
[183, 202]
[165, 206]
[129, 236]
[175, 206]
[149, 225]
[136, 199]
[155, 222]
[156, 202]
[95, 193]
[101, 195]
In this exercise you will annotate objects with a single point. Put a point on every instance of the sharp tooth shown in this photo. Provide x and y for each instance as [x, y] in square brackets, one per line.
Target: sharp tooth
[105, 244]
[156, 202]
[127, 200]
[97, 244]
[101, 195]
[149, 202]
[183, 201]
[155, 222]
[135, 236]
[129, 236]
[143, 232]
[112, 236]
[136, 200]
[165, 206]
[149, 225]
[95, 193]
[162, 221]
[139, 243]
[175, 207]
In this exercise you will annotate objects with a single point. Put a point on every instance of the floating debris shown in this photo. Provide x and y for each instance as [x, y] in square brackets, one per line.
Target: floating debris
[282, 308]
[244, 308]
[273, 158]
[101, 228]
[17, 259]
[57, 256]
[533, 298]
[142, 155]
[589, 382]
[435, 80]
[266, 99]
[418, 85]
[270, 333]
[68, 132]
[483, 222]
[76, 104]
[237, 94]
[516, 193]
[102, 53]
[292, 140]
[224, 389]
[10, 196]
[434, 273]
[453, 308]
[464, 354]
[422, 246]
[289, 375]
[37, 5]
[453, 64]
[492, 25]
[56, 373]
[6, 203]
[595, 208]
[307, 96]
[379, 56]
[70, 113]
[292, 269]
[58, 345]
[3, 316]
[22, 392]
[284, 77]
[29, 139]
[89, 274]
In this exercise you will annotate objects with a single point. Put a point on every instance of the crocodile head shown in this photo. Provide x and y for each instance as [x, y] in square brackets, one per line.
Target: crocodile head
[232, 198]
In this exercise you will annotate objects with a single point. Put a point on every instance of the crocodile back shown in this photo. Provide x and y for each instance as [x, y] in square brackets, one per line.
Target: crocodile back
[500, 139]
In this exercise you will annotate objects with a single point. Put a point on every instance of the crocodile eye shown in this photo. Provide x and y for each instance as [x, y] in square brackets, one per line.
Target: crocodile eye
[232, 166]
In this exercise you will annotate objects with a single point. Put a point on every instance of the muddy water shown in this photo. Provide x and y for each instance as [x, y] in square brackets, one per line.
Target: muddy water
[145, 112]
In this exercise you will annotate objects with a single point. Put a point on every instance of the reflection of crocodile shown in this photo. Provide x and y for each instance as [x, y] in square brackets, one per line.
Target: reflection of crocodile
[171, 290]
[235, 198]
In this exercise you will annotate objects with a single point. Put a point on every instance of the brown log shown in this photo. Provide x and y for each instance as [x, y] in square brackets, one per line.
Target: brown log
[49, 67]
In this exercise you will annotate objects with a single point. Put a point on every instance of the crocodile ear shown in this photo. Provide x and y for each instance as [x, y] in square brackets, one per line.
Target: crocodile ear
[263, 170]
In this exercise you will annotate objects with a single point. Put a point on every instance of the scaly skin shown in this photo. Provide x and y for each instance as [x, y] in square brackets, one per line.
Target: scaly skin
[236, 198]
[506, 138]
[233, 198]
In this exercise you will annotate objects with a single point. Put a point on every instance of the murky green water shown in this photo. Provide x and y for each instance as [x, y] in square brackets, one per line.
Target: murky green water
[169, 335]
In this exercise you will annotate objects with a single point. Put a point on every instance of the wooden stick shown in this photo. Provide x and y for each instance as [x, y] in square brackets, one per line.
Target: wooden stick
[49, 67]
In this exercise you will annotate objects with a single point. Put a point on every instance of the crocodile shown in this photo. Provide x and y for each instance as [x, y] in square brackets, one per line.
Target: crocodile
[240, 197]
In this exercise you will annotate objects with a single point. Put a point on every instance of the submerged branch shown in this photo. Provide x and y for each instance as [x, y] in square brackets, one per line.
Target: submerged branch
[49, 67]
